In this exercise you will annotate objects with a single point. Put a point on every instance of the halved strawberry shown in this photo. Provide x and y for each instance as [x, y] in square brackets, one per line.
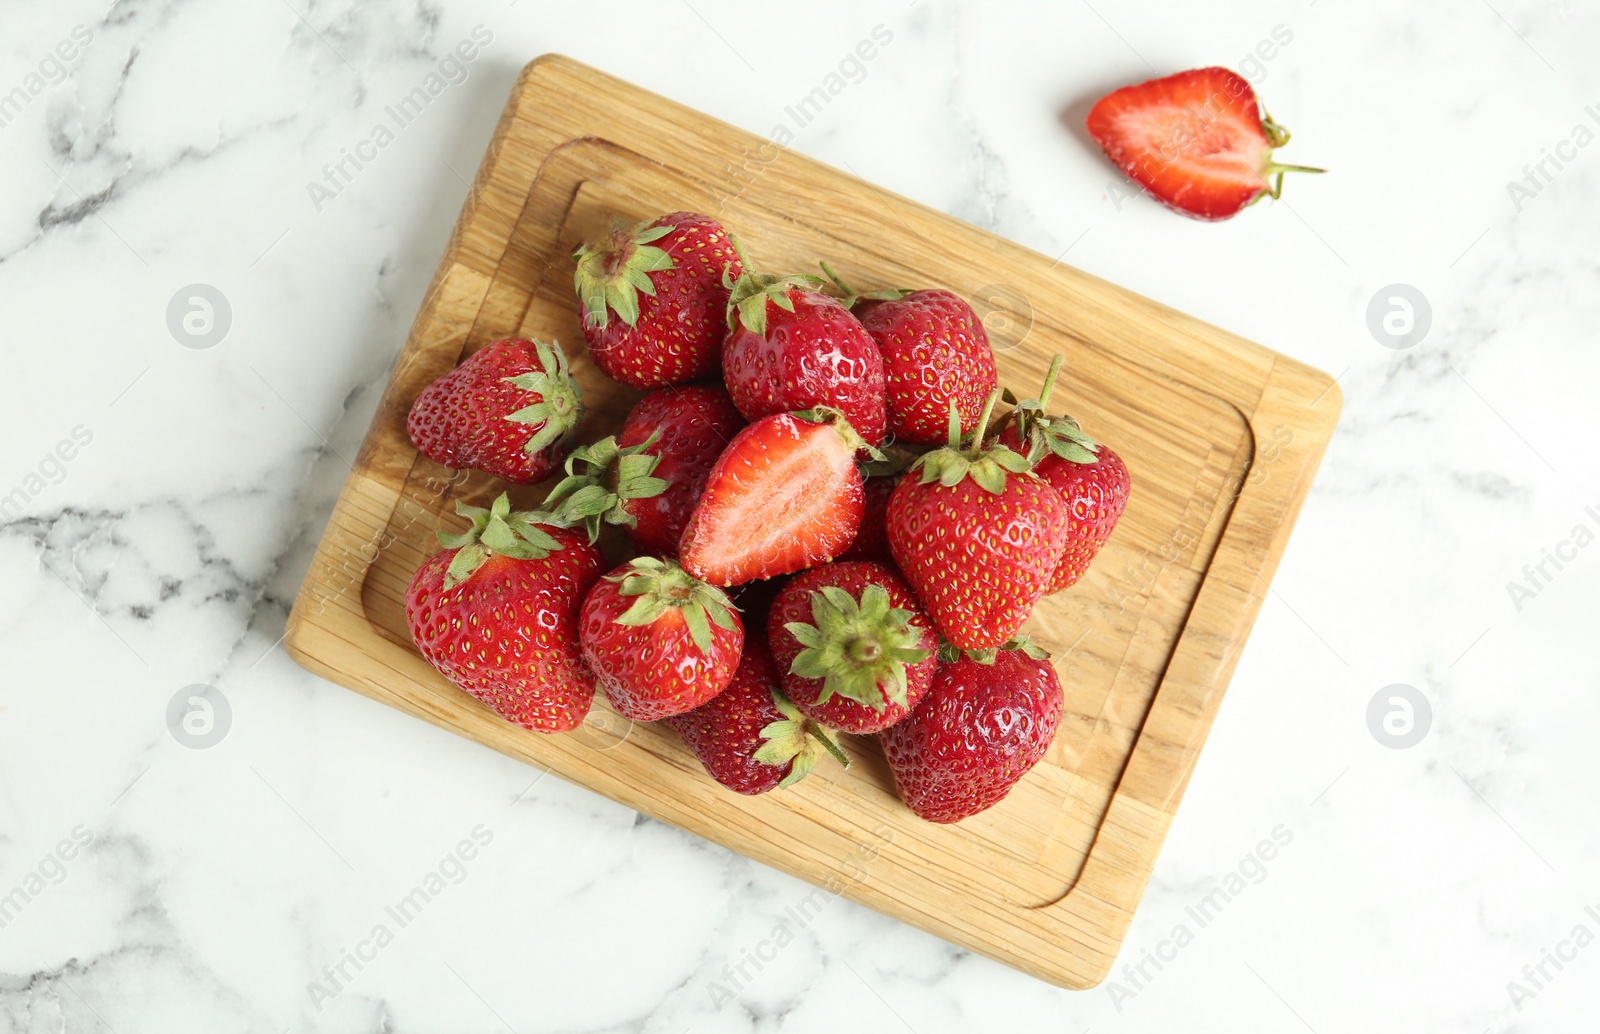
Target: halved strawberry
[785, 495]
[1199, 141]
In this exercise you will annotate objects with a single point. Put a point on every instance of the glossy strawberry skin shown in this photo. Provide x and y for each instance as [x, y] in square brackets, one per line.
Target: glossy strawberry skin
[724, 733]
[978, 561]
[508, 635]
[653, 671]
[817, 355]
[1195, 140]
[785, 495]
[460, 420]
[678, 335]
[1096, 494]
[872, 540]
[977, 732]
[935, 352]
[695, 423]
[793, 603]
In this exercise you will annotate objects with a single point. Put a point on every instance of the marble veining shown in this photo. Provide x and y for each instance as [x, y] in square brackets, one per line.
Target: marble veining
[159, 505]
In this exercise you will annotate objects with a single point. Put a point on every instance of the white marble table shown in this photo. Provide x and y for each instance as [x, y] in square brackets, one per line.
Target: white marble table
[161, 503]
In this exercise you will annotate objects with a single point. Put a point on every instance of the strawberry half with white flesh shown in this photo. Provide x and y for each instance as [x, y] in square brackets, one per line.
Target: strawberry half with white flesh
[1199, 141]
[784, 496]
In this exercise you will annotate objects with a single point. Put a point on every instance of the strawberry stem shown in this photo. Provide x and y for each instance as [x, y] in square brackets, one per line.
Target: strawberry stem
[1050, 381]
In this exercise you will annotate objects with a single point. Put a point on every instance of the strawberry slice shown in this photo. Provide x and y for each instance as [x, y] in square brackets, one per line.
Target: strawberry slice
[1199, 141]
[784, 495]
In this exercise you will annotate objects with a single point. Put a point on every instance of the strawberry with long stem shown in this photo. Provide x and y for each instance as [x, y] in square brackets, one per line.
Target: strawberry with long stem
[977, 534]
[1092, 479]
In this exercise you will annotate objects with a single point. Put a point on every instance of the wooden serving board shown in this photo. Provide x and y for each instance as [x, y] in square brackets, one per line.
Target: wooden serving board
[1221, 436]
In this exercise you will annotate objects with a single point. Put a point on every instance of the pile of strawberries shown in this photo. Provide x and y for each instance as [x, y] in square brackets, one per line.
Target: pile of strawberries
[835, 530]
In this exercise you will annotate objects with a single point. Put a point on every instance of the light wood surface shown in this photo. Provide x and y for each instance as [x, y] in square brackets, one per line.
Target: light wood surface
[1221, 435]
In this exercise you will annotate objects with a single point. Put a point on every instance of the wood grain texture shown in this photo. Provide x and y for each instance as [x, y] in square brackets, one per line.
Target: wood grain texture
[1221, 436]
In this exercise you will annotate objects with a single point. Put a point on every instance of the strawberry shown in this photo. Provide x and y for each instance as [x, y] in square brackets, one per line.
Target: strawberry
[660, 641]
[1092, 479]
[854, 646]
[1198, 141]
[977, 534]
[510, 409]
[979, 730]
[935, 354]
[785, 495]
[654, 299]
[497, 614]
[790, 347]
[691, 426]
[749, 737]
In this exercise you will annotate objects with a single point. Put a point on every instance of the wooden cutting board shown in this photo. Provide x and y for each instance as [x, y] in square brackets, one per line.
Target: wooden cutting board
[1221, 436]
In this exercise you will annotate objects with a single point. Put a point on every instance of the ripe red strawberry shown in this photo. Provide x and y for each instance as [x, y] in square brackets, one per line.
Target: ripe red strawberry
[977, 534]
[660, 641]
[979, 730]
[497, 613]
[785, 495]
[790, 347]
[935, 354]
[1199, 141]
[510, 409]
[855, 649]
[749, 737]
[654, 302]
[691, 425]
[1092, 479]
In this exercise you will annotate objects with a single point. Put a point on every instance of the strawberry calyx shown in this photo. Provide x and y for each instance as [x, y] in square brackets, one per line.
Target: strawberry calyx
[795, 738]
[860, 649]
[1043, 434]
[1277, 136]
[661, 585]
[561, 400]
[614, 270]
[610, 475]
[986, 465]
[749, 294]
[949, 653]
[849, 296]
[497, 529]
